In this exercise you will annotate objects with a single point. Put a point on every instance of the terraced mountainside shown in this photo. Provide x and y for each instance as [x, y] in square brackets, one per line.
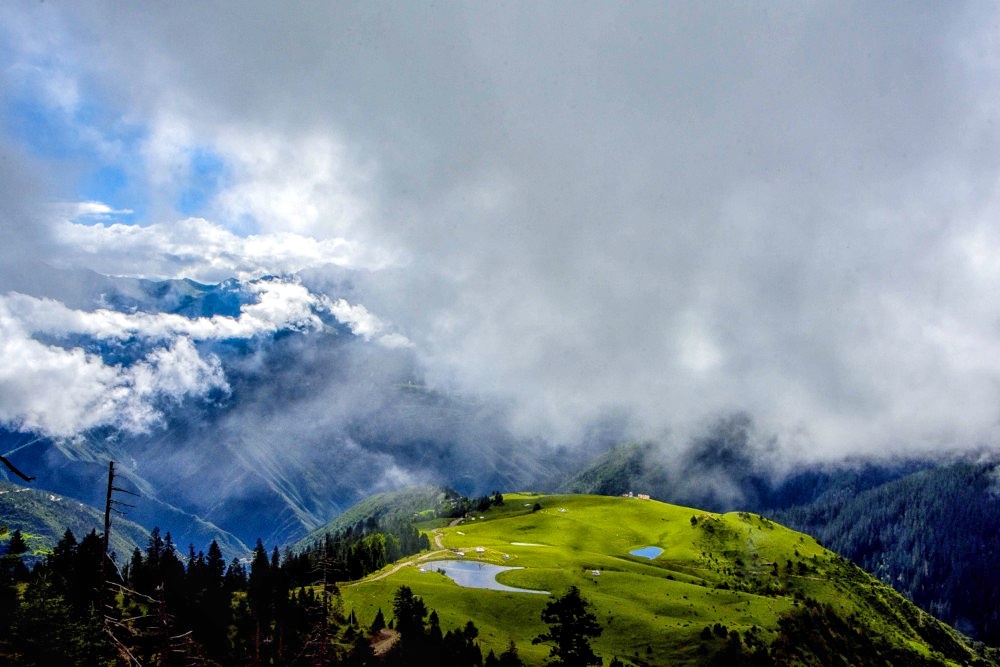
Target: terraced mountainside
[730, 588]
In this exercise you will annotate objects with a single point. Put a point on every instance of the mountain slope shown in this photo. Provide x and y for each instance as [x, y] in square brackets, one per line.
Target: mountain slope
[390, 505]
[302, 411]
[43, 517]
[933, 535]
[726, 589]
[928, 530]
[722, 472]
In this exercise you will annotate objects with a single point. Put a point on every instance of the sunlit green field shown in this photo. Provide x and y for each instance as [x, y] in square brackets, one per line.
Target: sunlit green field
[738, 570]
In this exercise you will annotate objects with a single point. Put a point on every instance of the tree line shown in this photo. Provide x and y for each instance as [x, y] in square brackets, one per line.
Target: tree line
[932, 535]
[78, 607]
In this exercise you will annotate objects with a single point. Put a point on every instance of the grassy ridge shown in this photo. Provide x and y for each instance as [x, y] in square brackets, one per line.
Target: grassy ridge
[737, 570]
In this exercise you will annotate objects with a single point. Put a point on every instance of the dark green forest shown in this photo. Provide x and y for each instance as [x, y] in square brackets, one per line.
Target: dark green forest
[933, 535]
[80, 607]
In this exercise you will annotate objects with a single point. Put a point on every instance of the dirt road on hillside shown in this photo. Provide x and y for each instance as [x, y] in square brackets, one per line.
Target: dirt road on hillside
[438, 542]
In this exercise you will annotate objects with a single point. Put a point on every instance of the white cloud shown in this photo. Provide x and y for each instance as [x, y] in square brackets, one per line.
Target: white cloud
[198, 249]
[395, 341]
[61, 392]
[367, 325]
[50, 390]
[362, 322]
[674, 208]
[97, 209]
[280, 305]
[175, 372]
[303, 185]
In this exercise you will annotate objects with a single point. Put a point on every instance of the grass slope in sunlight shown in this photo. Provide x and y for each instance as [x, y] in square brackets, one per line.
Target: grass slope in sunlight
[736, 570]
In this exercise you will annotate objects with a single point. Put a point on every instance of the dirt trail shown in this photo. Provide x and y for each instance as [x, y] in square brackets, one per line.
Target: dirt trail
[399, 566]
[438, 542]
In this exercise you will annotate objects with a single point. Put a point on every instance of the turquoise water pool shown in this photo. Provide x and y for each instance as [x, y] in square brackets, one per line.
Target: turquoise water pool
[647, 552]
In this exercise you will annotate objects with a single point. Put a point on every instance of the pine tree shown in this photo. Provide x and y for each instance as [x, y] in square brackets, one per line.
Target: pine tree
[13, 567]
[510, 657]
[236, 576]
[410, 611]
[17, 545]
[378, 623]
[259, 596]
[571, 627]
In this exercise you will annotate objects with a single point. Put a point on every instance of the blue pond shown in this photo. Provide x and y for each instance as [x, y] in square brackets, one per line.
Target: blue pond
[472, 574]
[647, 552]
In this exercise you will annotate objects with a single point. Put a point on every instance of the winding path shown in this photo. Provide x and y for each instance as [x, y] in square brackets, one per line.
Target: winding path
[438, 542]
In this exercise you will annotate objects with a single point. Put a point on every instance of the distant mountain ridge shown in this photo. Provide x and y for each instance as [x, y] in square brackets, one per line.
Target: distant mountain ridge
[313, 421]
[403, 503]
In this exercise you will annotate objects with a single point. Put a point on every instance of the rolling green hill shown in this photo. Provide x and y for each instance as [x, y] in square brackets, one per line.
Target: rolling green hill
[724, 588]
[43, 517]
[926, 528]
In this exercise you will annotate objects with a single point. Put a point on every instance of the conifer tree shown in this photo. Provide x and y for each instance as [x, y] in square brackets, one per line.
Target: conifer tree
[571, 626]
[378, 623]
[17, 545]
[510, 657]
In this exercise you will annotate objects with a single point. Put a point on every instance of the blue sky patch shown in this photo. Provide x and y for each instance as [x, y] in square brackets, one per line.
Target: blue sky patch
[206, 175]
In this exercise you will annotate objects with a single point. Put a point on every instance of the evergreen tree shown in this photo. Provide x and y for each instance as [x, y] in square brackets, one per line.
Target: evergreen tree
[279, 602]
[17, 545]
[259, 596]
[236, 576]
[378, 623]
[8, 601]
[510, 657]
[571, 627]
[409, 611]
[210, 603]
[13, 567]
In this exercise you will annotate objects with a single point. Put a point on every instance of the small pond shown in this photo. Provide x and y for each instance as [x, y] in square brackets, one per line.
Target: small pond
[647, 552]
[472, 574]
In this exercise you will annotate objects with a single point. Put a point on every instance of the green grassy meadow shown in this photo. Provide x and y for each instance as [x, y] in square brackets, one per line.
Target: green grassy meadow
[738, 570]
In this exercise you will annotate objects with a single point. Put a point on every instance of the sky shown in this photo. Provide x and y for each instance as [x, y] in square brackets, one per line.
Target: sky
[645, 213]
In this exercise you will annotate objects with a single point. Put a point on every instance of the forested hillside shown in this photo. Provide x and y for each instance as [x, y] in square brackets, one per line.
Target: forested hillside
[43, 517]
[934, 535]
